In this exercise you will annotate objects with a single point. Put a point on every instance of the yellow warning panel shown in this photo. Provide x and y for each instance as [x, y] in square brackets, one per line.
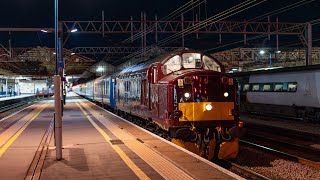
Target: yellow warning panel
[180, 82]
[229, 150]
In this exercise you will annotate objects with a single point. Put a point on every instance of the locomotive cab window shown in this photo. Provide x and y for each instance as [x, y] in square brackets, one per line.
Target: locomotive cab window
[191, 60]
[172, 65]
[210, 64]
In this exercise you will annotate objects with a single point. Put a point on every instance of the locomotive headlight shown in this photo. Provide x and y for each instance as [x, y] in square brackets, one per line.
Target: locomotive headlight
[186, 95]
[208, 107]
[226, 94]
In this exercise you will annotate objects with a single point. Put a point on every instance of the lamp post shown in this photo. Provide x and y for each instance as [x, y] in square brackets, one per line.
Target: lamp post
[57, 89]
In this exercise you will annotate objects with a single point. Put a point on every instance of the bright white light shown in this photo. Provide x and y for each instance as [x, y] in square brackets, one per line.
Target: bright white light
[100, 69]
[74, 30]
[45, 31]
[262, 52]
[278, 51]
[187, 95]
[208, 107]
[73, 53]
[234, 69]
[226, 94]
[54, 53]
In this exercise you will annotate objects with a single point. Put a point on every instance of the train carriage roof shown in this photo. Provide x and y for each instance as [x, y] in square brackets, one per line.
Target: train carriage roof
[277, 70]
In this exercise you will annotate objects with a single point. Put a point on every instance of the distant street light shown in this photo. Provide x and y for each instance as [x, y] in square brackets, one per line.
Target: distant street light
[74, 30]
[262, 52]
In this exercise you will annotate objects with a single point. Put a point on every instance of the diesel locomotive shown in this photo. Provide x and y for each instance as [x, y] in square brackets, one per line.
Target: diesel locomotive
[185, 93]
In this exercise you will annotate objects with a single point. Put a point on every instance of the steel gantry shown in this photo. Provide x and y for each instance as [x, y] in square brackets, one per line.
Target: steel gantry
[40, 60]
[140, 29]
[251, 58]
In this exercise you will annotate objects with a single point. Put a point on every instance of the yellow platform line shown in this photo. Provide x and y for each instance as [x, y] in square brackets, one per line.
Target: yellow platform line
[17, 134]
[167, 169]
[123, 155]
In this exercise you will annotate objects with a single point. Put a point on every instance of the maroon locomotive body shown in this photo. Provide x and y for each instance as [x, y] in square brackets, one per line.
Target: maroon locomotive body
[185, 93]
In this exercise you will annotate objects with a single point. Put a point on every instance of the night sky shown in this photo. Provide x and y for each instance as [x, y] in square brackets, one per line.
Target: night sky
[40, 13]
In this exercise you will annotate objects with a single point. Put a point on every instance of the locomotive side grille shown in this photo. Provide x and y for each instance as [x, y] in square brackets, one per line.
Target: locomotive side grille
[163, 104]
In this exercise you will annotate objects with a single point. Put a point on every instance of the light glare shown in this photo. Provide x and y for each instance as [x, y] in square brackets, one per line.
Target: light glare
[208, 107]
[74, 30]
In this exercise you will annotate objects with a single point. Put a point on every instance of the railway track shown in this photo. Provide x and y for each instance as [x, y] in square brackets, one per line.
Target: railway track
[312, 160]
[242, 171]
[14, 106]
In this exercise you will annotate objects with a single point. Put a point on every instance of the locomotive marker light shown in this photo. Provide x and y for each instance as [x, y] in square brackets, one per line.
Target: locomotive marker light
[187, 95]
[208, 107]
[226, 94]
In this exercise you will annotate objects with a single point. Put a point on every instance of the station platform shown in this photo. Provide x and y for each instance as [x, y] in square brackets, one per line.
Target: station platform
[96, 145]
[4, 98]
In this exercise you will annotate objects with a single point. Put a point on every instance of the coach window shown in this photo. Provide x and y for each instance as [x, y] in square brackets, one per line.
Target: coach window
[266, 87]
[278, 87]
[210, 64]
[246, 87]
[173, 64]
[255, 87]
[292, 87]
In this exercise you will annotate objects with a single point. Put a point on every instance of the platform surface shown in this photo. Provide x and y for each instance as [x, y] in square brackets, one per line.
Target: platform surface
[98, 145]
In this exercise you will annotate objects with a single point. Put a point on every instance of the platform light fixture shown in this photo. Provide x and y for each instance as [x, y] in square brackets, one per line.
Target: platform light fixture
[74, 30]
[45, 31]
[73, 53]
[262, 52]
[100, 69]
[277, 51]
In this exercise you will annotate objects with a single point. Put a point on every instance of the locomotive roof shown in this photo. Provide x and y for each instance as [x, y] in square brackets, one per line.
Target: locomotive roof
[277, 70]
[145, 64]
